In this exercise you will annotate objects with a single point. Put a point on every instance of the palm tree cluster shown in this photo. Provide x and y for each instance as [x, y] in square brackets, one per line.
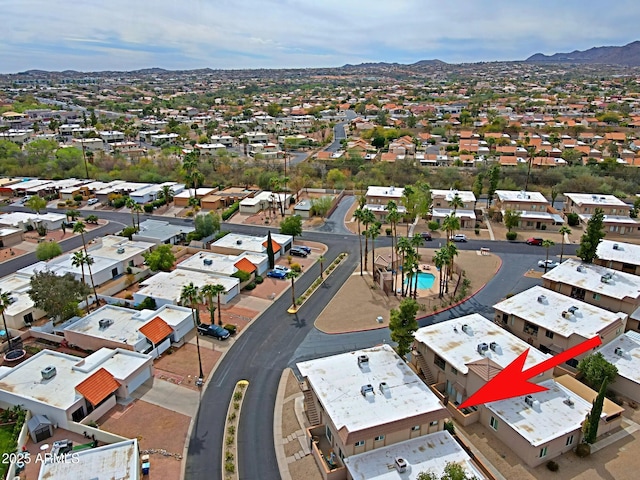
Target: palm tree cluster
[409, 251]
[81, 260]
[443, 260]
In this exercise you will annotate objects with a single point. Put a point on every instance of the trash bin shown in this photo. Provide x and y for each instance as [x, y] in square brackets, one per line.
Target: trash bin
[146, 464]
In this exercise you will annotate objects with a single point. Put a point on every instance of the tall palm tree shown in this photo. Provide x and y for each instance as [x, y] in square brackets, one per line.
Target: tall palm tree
[450, 224]
[78, 260]
[292, 274]
[547, 244]
[404, 248]
[138, 208]
[209, 291]
[456, 202]
[416, 241]
[393, 216]
[564, 230]
[166, 193]
[5, 301]
[452, 253]
[359, 215]
[131, 205]
[190, 295]
[321, 259]
[374, 232]
[369, 217]
[441, 260]
[80, 228]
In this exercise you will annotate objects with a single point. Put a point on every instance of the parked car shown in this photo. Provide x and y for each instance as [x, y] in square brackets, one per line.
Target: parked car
[215, 331]
[303, 248]
[548, 263]
[534, 241]
[277, 274]
[297, 252]
[459, 237]
[282, 268]
[92, 201]
[426, 236]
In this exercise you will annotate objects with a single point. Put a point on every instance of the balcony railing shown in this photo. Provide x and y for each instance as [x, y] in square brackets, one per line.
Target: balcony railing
[328, 461]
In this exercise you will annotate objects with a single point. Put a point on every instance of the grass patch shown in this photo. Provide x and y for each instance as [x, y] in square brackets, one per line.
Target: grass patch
[7, 445]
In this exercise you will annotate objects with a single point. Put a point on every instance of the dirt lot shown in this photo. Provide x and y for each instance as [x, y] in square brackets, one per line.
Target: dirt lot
[181, 367]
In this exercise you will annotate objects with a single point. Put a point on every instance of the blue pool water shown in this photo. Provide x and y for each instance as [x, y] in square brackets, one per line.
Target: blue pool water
[425, 280]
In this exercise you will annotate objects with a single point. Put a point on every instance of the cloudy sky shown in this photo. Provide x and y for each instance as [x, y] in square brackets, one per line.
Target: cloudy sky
[92, 35]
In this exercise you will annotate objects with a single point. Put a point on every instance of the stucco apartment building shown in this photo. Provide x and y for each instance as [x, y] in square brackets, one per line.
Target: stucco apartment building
[553, 322]
[364, 400]
[377, 199]
[616, 212]
[440, 201]
[609, 289]
[624, 257]
[624, 353]
[533, 208]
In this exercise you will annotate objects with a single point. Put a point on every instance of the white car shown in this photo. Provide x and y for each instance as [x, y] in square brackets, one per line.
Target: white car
[548, 263]
[458, 237]
[92, 201]
[282, 268]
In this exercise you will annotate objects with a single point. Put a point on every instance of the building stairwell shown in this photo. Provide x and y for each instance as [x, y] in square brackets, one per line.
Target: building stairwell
[424, 368]
[310, 408]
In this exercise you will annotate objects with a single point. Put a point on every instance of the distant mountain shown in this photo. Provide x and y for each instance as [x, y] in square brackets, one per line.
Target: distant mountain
[421, 63]
[426, 63]
[627, 55]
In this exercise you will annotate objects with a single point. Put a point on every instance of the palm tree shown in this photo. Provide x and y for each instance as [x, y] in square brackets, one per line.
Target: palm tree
[321, 259]
[78, 260]
[209, 291]
[455, 203]
[564, 230]
[404, 248]
[359, 215]
[369, 217]
[450, 224]
[138, 208]
[131, 205]
[547, 244]
[416, 241]
[190, 296]
[5, 301]
[441, 260]
[452, 253]
[393, 216]
[80, 228]
[166, 193]
[374, 232]
[292, 274]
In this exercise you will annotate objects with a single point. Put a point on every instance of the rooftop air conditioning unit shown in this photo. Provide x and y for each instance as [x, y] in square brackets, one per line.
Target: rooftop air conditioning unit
[542, 298]
[120, 250]
[620, 352]
[573, 309]
[482, 347]
[363, 359]
[207, 261]
[48, 372]
[105, 322]
[238, 242]
[368, 388]
[494, 346]
[400, 464]
[384, 387]
[616, 246]
[580, 268]
[566, 314]
[568, 401]
[467, 329]
[528, 400]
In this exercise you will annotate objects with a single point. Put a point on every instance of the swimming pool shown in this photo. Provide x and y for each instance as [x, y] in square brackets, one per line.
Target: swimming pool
[425, 280]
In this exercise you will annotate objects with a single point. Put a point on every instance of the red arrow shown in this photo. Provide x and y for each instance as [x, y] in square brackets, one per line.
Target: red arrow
[512, 381]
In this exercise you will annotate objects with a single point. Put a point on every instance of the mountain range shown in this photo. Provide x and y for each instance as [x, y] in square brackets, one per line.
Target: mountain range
[626, 55]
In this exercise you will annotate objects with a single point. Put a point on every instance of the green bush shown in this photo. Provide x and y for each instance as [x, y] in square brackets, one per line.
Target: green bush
[511, 236]
[296, 267]
[119, 202]
[230, 466]
[259, 279]
[477, 230]
[573, 219]
[433, 226]
[237, 396]
[78, 197]
[242, 276]
[228, 213]
[450, 427]
[250, 286]
[543, 227]
[231, 328]
[583, 450]
[159, 203]
[147, 304]
[553, 466]
[148, 207]
[220, 234]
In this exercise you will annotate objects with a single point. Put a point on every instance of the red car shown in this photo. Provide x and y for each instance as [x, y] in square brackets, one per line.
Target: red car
[534, 241]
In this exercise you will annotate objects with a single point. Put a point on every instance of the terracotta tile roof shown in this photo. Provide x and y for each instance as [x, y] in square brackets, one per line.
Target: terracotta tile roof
[156, 330]
[98, 386]
[275, 245]
[245, 265]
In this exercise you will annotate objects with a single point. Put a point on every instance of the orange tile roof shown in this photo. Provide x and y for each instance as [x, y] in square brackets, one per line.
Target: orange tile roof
[156, 330]
[98, 386]
[275, 245]
[245, 265]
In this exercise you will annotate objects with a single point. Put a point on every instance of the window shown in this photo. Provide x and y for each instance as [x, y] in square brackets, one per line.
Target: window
[548, 334]
[379, 438]
[596, 296]
[439, 361]
[28, 318]
[494, 423]
[328, 433]
[569, 440]
[530, 329]
[543, 452]
[360, 443]
[454, 371]
[434, 423]
[415, 428]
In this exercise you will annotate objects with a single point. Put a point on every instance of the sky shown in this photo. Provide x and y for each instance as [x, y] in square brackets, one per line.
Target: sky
[95, 35]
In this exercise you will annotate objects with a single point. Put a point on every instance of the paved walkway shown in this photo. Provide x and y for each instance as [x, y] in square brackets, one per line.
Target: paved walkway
[170, 396]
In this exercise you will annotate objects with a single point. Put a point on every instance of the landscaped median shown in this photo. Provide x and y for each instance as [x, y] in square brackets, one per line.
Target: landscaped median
[316, 284]
[230, 443]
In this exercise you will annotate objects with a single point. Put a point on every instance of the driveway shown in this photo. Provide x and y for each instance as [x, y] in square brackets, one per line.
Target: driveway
[335, 223]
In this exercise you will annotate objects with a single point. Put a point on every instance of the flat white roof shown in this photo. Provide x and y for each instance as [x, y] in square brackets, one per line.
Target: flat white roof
[553, 418]
[200, 192]
[115, 461]
[25, 379]
[29, 184]
[611, 219]
[337, 381]
[619, 252]
[122, 186]
[444, 212]
[465, 195]
[520, 196]
[250, 243]
[109, 245]
[162, 231]
[17, 287]
[209, 262]
[391, 192]
[376, 207]
[173, 315]
[459, 347]
[168, 285]
[596, 199]
[621, 285]
[16, 218]
[429, 453]
[123, 329]
[627, 360]
[4, 231]
[544, 307]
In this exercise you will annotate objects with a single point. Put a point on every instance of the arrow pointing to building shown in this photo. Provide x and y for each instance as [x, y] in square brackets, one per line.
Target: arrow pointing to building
[512, 381]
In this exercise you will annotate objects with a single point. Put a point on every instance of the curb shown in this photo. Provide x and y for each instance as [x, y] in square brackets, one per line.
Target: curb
[241, 387]
[283, 466]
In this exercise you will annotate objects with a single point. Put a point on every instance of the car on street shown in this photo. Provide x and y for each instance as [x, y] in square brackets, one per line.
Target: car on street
[92, 201]
[215, 331]
[534, 241]
[277, 274]
[458, 237]
[548, 263]
[426, 236]
[297, 252]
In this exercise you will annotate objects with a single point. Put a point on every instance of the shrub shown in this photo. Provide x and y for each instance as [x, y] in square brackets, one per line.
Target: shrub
[148, 207]
[229, 212]
[236, 405]
[573, 219]
[77, 198]
[511, 236]
[147, 304]
[231, 328]
[450, 427]
[477, 230]
[544, 227]
[242, 276]
[237, 396]
[583, 450]
[231, 430]
[232, 416]
[250, 286]
[189, 213]
[119, 202]
[388, 231]
[159, 203]
[129, 296]
[229, 467]
[296, 267]
[220, 234]
[228, 456]
[61, 204]
[553, 466]
[259, 279]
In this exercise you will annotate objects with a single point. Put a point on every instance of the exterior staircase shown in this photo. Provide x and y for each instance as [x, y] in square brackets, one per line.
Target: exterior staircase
[424, 368]
[310, 408]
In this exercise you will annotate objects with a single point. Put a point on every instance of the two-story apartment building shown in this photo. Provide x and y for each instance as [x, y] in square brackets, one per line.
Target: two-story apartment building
[553, 322]
[609, 289]
[441, 206]
[624, 257]
[616, 213]
[533, 207]
[364, 400]
[624, 353]
[377, 199]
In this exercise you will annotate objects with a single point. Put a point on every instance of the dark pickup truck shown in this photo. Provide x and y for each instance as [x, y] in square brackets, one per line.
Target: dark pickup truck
[215, 331]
